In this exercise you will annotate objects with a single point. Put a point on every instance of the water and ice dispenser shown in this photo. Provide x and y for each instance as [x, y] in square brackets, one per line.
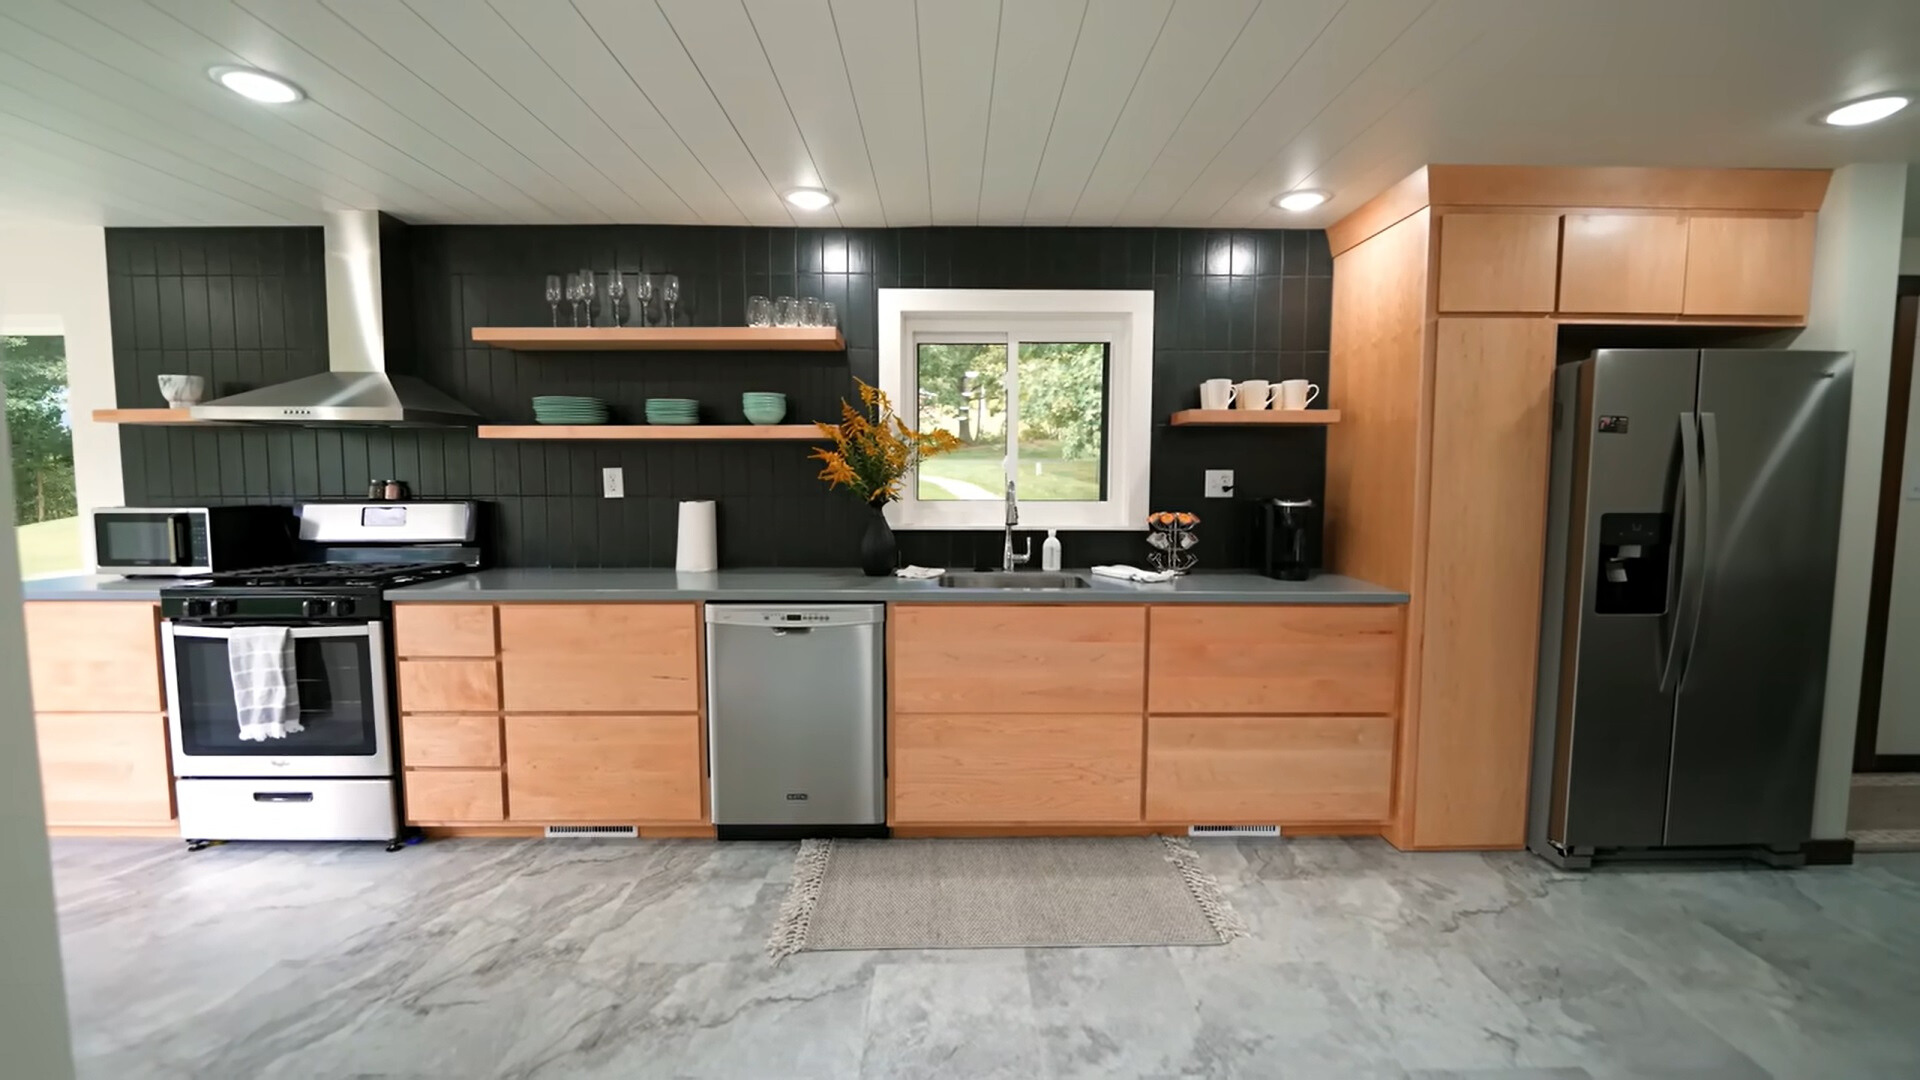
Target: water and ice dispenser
[1635, 559]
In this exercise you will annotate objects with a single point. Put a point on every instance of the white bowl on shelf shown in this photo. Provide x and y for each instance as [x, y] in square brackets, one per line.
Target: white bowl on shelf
[183, 390]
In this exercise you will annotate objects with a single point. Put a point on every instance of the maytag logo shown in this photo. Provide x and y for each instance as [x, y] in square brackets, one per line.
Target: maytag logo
[796, 796]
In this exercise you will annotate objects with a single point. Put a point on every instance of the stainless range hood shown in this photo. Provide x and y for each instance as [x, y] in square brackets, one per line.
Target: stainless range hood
[356, 388]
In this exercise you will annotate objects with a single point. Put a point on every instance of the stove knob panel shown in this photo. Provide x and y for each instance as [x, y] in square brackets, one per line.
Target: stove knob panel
[222, 608]
[198, 609]
[313, 609]
[342, 607]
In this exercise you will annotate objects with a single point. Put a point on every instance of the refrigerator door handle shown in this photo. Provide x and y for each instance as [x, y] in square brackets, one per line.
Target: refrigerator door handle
[1691, 510]
[1709, 468]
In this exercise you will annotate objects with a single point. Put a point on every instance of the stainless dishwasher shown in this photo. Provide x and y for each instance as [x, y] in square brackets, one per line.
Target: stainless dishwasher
[796, 719]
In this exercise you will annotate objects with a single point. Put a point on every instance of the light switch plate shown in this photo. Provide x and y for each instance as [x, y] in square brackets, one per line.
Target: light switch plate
[613, 483]
[1219, 483]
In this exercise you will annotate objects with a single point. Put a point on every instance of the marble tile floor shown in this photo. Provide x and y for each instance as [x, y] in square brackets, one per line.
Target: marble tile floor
[617, 959]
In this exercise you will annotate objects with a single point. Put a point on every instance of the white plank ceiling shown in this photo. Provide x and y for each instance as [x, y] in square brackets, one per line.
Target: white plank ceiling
[963, 112]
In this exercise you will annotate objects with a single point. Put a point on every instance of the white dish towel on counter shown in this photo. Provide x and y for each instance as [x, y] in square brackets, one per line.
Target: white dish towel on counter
[1134, 573]
[266, 689]
[918, 573]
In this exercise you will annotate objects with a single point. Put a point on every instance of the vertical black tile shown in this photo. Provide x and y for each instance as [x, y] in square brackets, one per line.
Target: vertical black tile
[1319, 329]
[1267, 246]
[1294, 258]
[1193, 251]
[1293, 313]
[173, 313]
[1319, 255]
[1244, 260]
[1266, 314]
[1242, 296]
[1219, 305]
[1219, 252]
[1166, 251]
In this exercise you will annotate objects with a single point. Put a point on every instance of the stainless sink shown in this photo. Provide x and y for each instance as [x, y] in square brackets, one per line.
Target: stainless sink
[1001, 579]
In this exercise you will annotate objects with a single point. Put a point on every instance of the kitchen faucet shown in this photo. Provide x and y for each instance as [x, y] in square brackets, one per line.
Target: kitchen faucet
[1008, 560]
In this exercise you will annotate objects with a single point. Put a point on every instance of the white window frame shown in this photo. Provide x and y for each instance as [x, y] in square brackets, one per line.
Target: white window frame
[1123, 318]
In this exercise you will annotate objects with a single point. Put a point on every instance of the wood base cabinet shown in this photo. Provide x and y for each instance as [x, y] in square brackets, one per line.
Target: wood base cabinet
[975, 767]
[604, 769]
[1226, 770]
[105, 768]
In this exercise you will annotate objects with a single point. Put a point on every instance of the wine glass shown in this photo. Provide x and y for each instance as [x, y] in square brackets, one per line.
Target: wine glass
[587, 291]
[574, 295]
[759, 313]
[616, 292]
[670, 295]
[642, 299]
[554, 296]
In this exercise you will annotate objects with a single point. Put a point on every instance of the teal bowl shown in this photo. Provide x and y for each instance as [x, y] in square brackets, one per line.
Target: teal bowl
[766, 416]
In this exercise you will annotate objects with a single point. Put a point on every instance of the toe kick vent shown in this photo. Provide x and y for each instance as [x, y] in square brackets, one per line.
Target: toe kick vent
[595, 832]
[1233, 830]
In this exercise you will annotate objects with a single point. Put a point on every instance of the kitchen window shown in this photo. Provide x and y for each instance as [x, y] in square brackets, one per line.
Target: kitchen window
[1051, 388]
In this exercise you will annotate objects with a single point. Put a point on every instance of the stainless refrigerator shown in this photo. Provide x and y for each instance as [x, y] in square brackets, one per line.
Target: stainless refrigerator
[1692, 536]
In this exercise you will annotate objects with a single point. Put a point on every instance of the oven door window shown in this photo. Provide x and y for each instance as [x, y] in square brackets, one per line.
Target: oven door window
[337, 710]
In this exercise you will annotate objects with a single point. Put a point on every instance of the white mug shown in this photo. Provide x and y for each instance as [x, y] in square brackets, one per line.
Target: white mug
[1296, 394]
[1217, 394]
[1255, 394]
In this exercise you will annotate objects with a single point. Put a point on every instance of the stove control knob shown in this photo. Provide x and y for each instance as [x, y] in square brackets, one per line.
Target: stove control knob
[342, 607]
[198, 609]
[313, 609]
[225, 607]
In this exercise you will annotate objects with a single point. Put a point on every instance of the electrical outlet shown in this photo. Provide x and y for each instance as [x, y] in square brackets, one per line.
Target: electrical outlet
[1219, 483]
[613, 483]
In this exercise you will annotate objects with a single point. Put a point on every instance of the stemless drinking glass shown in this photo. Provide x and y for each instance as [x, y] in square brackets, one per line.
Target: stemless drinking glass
[670, 295]
[554, 296]
[828, 316]
[642, 299]
[586, 292]
[759, 312]
[574, 296]
[810, 311]
[616, 292]
[786, 312]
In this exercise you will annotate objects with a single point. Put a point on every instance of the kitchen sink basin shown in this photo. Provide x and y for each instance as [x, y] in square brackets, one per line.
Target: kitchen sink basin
[1001, 579]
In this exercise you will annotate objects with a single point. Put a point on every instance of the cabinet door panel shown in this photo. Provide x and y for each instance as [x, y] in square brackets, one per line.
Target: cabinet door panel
[1498, 262]
[964, 768]
[1260, 770]
[104, 768]
[441, 796]
[449, 686]
[1006, 658]
[1749, 266]
[1274, 659]
[599, 657]
[94, 656]
[443, 630]
[1623, 264]
[450, 741]
[605, 769]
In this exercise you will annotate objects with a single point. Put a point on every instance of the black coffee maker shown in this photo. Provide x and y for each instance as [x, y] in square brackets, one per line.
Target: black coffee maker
[1286, 540]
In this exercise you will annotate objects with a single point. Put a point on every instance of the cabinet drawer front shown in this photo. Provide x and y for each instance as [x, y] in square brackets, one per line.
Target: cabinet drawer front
[94, 656]
[449, 686]
[443, 630]
[1260, 770]
[1497, 262]
[104, 768]
[1623, 264]
[600, 657]
[995, 658]
[962, 768]
[1301, 659]
[607, 769]
[450, 741]
[439, 796]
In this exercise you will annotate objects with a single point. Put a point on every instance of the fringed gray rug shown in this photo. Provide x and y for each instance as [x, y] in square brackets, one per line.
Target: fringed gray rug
[980, 894]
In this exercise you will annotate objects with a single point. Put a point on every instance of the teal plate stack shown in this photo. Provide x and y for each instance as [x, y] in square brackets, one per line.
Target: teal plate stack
[763, 407]
[561, 409]
[671, 410]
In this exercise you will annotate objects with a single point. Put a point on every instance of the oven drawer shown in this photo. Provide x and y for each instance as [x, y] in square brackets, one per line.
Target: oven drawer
[287, 809]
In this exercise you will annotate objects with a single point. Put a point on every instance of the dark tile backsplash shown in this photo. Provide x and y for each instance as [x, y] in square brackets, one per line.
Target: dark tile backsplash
[246, 307]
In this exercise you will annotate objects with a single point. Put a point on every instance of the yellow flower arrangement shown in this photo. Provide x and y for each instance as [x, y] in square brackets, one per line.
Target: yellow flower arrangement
[873, 448]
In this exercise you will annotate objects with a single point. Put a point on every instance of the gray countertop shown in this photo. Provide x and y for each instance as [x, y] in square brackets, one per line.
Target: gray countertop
[93, 587]
[827, 586]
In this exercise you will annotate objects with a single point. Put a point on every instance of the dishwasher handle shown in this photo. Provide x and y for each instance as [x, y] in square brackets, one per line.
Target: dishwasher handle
[783, 631]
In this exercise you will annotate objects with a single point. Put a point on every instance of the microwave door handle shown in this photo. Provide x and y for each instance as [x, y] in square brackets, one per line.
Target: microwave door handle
[1689, 510]
[177, 540]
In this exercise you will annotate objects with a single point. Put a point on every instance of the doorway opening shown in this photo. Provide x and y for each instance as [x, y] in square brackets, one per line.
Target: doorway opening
[46, 512]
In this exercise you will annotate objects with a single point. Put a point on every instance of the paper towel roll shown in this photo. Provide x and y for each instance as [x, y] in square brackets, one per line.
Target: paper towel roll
[696, 551]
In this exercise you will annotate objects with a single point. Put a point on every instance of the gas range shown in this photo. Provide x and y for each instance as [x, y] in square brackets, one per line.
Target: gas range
[315, 591]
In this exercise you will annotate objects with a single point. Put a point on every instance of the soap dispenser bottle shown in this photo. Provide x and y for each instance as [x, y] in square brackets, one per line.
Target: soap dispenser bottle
[1050, 551]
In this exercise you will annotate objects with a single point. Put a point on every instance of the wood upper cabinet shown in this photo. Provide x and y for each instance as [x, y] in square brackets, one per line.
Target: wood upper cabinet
[603, 769]
[443, 630]
[1623, 264]
[1016, 767]
[599, 657]
[104, 768]
[994, 658]
[1269, 769]
[1749, 265]
[1300, 659]
[94, 656]
[1498, 262]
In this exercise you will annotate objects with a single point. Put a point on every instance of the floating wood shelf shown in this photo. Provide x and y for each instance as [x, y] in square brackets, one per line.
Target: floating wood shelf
[1270, 417]
[661, 432]
[630, 338]
[145, 416]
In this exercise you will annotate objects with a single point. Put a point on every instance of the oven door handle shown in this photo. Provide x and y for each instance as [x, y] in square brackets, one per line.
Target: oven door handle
[300, 633]
[283, 796]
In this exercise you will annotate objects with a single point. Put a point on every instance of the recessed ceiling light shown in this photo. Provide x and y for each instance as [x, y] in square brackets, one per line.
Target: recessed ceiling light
[1301, 200]
[810, 198]
[1866, 112]
[256, 85]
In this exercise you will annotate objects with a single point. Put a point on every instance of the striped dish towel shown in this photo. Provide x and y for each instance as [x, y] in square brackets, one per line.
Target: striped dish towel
[266, 692]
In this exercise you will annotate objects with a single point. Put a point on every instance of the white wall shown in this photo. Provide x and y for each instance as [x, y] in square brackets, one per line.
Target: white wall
[1855, 270]
[53, 280]
[33, 1003]
[1910, 252]
[1900, 686]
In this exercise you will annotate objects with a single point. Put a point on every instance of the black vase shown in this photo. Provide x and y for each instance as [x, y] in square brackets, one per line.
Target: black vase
[878, 553]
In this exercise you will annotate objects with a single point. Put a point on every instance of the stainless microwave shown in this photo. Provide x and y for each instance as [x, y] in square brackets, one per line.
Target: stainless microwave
[188, 541]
